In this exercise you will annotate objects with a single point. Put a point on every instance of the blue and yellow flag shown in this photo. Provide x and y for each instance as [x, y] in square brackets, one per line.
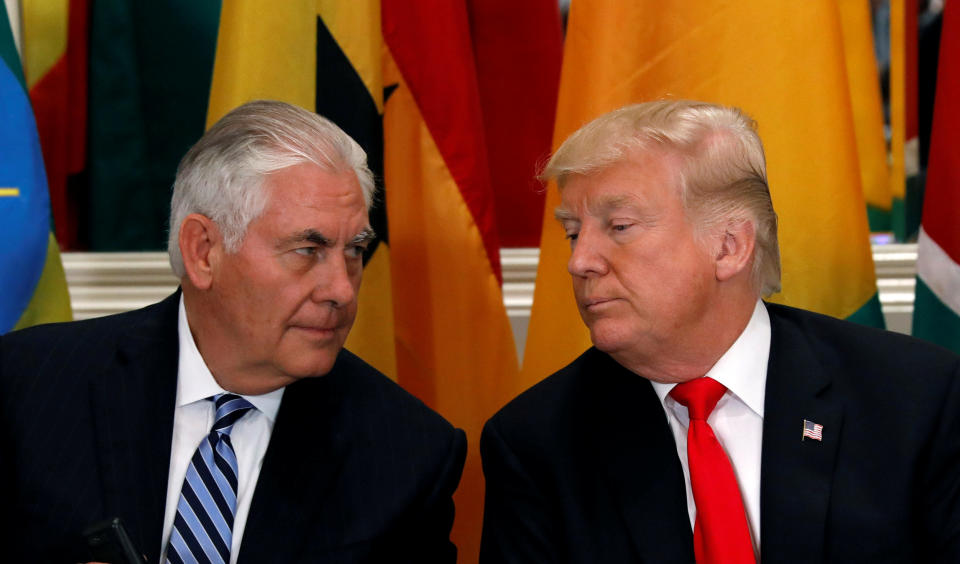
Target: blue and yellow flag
[33, 288]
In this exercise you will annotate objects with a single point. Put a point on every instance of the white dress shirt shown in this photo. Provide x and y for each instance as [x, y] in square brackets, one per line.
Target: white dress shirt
[192, 420]
[737, 420]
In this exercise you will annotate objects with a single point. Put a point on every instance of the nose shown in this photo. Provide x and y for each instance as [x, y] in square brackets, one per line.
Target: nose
[586, 256]
[337, 282]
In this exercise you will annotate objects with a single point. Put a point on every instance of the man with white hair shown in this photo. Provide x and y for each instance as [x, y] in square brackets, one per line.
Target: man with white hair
[227, 423]
[704, 424]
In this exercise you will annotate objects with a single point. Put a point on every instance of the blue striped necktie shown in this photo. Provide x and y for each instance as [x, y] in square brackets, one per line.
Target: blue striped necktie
[203, 527]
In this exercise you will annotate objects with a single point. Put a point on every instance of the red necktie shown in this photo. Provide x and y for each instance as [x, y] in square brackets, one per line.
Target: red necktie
[721, 534]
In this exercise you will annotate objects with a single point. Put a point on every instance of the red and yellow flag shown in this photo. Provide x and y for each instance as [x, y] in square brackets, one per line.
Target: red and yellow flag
[454, 344]
[55, 66]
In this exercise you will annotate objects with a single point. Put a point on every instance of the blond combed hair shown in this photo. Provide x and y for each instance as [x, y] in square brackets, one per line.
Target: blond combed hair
[723, 175]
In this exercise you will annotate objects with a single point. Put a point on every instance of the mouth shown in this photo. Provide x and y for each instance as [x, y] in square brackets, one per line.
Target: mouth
[595, 304]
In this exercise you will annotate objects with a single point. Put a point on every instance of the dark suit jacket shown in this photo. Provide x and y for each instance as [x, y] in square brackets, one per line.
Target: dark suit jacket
[356, 470]
[583, 467]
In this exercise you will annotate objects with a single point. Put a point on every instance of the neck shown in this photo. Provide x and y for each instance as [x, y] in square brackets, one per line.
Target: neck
[698, 348]
[217, 352]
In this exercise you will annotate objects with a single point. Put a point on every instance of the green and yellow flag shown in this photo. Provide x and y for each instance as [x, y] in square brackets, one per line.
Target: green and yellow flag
[34, 288]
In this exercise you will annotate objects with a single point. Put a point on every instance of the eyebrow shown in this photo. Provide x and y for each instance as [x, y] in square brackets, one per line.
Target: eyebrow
[307, 235]
[603, 206]
[563, 214]
[365, 236]
[318, 238]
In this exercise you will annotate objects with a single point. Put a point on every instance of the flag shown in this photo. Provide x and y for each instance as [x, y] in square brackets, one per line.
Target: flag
[55, 67]
[936, 313]
[454, 343]
[34, 285]
[812, 430]
[517, 46]
[350, 91]
[149, 82]
[783, 63]
[862, 76]
[904, 143]
[401, 82]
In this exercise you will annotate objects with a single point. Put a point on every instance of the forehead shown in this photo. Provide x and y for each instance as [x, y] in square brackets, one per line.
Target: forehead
[306, 195]
[307, 184]
[638, 181]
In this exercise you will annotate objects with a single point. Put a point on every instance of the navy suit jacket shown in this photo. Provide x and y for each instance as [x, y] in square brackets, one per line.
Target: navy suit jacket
[583, 467]
[357, 470]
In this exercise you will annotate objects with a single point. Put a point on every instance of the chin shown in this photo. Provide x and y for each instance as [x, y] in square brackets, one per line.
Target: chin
[607, 339]
[309, 366]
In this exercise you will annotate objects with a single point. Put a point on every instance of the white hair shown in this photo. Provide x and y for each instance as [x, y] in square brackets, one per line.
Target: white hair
[723, 173]
[222, 175]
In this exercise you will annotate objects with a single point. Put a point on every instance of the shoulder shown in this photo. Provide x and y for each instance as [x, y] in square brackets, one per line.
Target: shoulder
[44, 347]
[368, 408]
[867, 364]
[565, 404]
[842, 342]
[363, 386]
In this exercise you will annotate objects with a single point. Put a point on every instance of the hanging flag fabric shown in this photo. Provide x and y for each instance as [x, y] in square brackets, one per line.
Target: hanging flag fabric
[783, 64]
[904, 144]
[34, 286]
[936, 313]
[55, 67]
[867, 106]
[264, 52]
[349, 91]
[517, 46]
[149, 82]
[454, 344]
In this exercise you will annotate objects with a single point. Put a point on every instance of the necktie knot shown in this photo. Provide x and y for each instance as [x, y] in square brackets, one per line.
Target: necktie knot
[699, 396]
[230, 408]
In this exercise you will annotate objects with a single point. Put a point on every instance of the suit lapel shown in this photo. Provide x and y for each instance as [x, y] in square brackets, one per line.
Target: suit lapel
[133, 404]
[638, 453]
[796, 474]
[292, 502]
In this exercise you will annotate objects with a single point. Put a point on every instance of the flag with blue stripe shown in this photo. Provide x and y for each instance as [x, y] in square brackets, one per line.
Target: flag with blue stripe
[29, 258]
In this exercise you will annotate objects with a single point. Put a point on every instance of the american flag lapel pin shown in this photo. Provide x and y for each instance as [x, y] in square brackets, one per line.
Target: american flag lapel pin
[812, 430]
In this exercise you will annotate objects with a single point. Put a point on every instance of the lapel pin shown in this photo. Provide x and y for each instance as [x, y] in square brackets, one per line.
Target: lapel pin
[812, 430]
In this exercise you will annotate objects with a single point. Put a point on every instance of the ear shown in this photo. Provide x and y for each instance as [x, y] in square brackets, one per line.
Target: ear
[200, 245]
[735, 253]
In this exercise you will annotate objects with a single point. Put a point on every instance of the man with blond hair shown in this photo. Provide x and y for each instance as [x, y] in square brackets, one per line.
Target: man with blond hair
[705, 424]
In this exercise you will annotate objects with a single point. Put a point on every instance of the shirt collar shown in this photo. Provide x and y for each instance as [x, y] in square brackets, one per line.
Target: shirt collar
[196, 383]
[743, 368]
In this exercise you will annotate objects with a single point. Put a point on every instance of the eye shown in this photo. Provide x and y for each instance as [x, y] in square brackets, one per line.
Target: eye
[356, 251]
[306, 251]
[621, 226]
[572, 236]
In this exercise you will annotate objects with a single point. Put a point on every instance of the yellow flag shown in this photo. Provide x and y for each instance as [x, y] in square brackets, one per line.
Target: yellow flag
[867, 110]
